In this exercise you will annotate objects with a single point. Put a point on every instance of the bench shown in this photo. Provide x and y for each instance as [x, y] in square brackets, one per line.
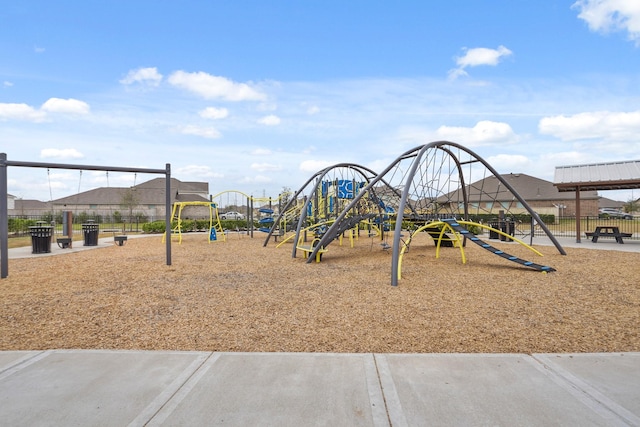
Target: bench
[119, 240]
[607, 231]
[64, 242]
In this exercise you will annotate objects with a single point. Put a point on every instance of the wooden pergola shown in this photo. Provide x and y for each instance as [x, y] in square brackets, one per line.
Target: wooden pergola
[624, 175]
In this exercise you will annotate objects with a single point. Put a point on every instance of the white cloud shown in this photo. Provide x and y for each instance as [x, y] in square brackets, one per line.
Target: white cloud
[198, 171]
[65, 106]
[482, 56]
[511, 162]
[313, 166]
[21, 112]
[478, 56]
[258, 179]
[214, 113]
[7, 83]
[208, 132]
[611, 15]
[270, 120]
[38, 49]
[267, 106]
[619, 126]
[483, 133]
[565, 158]
[261, 152]
[148, 76]
[265, 167]
[214, 87]
[65, 153]
[313, 109]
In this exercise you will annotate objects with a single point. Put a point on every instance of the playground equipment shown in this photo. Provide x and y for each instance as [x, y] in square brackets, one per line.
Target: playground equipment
[247, 205]
[4, 232]
[437, 180]
[451, 232]
[215, 228]
[330, 194]
[267, 222]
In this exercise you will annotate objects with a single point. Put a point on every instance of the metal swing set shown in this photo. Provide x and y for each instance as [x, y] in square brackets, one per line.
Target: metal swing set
[4, 216]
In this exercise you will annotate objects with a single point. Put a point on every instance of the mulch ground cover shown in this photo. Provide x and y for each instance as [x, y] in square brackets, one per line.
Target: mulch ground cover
[240, 296]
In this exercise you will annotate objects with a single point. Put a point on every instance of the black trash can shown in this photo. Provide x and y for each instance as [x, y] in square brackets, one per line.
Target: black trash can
[507, 227]
[90, 231]
[41, 239]
[494, 225]
[511, 229]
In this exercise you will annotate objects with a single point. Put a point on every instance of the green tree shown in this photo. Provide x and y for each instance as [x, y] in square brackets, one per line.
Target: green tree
[631, 206]
[285, 195]
[129, 202]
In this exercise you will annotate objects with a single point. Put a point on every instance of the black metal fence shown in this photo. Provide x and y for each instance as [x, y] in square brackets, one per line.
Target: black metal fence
[566, 226]
[560, 227]
[18, 225]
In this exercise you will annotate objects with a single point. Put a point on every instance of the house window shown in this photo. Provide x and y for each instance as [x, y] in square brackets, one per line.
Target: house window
[151, 206]
[93, 206]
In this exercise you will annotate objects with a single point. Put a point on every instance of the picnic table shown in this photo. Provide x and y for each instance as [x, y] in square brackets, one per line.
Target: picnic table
[607, 231]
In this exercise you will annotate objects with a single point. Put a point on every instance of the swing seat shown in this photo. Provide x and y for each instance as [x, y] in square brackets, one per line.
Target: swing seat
[119, 240]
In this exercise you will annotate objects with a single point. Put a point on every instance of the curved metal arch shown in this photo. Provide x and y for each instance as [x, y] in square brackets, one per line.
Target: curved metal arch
[231, 191]
[311, 197]
[317, 175]
[417, 153]
[439, 145]
[284, 209]
[326, 239]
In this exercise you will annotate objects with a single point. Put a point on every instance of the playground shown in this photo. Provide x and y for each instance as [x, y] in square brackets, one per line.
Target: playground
[240, 296]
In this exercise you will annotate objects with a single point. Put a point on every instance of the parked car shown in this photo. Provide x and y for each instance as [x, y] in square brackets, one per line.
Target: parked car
[232, 215]
[613, 213]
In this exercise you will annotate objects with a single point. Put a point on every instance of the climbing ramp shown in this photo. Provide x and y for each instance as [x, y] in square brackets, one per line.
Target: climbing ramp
[458, 228]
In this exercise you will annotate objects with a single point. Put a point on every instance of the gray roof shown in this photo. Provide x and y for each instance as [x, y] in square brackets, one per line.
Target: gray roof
[603, 202]
[599, 176]
[148, 193]
[182, 186]
[528, 187]
[27, 204]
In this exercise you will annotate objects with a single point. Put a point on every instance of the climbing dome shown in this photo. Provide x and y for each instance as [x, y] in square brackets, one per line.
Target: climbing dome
[434, 181]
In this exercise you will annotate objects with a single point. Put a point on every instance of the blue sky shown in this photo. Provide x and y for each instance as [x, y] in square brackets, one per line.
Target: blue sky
[258, 95]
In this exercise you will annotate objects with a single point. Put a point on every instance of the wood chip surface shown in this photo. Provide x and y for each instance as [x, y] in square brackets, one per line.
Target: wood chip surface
[240, 296]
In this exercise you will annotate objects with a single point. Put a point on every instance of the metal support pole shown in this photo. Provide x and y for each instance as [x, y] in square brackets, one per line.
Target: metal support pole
[4, 218]
[578, 213]
[167, 213]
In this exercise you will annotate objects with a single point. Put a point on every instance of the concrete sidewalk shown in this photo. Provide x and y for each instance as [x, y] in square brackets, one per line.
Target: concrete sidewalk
[78, 246]
[118, 388]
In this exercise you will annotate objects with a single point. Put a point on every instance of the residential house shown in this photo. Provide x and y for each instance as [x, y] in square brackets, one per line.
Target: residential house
[490, 195]
[146, 199]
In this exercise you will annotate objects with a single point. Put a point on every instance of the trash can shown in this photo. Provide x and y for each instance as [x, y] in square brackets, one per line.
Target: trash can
[507, 227]
[41, 239]
[494, 225]
[511, 229]
[90, 231]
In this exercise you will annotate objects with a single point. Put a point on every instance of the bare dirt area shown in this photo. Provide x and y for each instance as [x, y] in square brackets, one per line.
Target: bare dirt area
[240, 296]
